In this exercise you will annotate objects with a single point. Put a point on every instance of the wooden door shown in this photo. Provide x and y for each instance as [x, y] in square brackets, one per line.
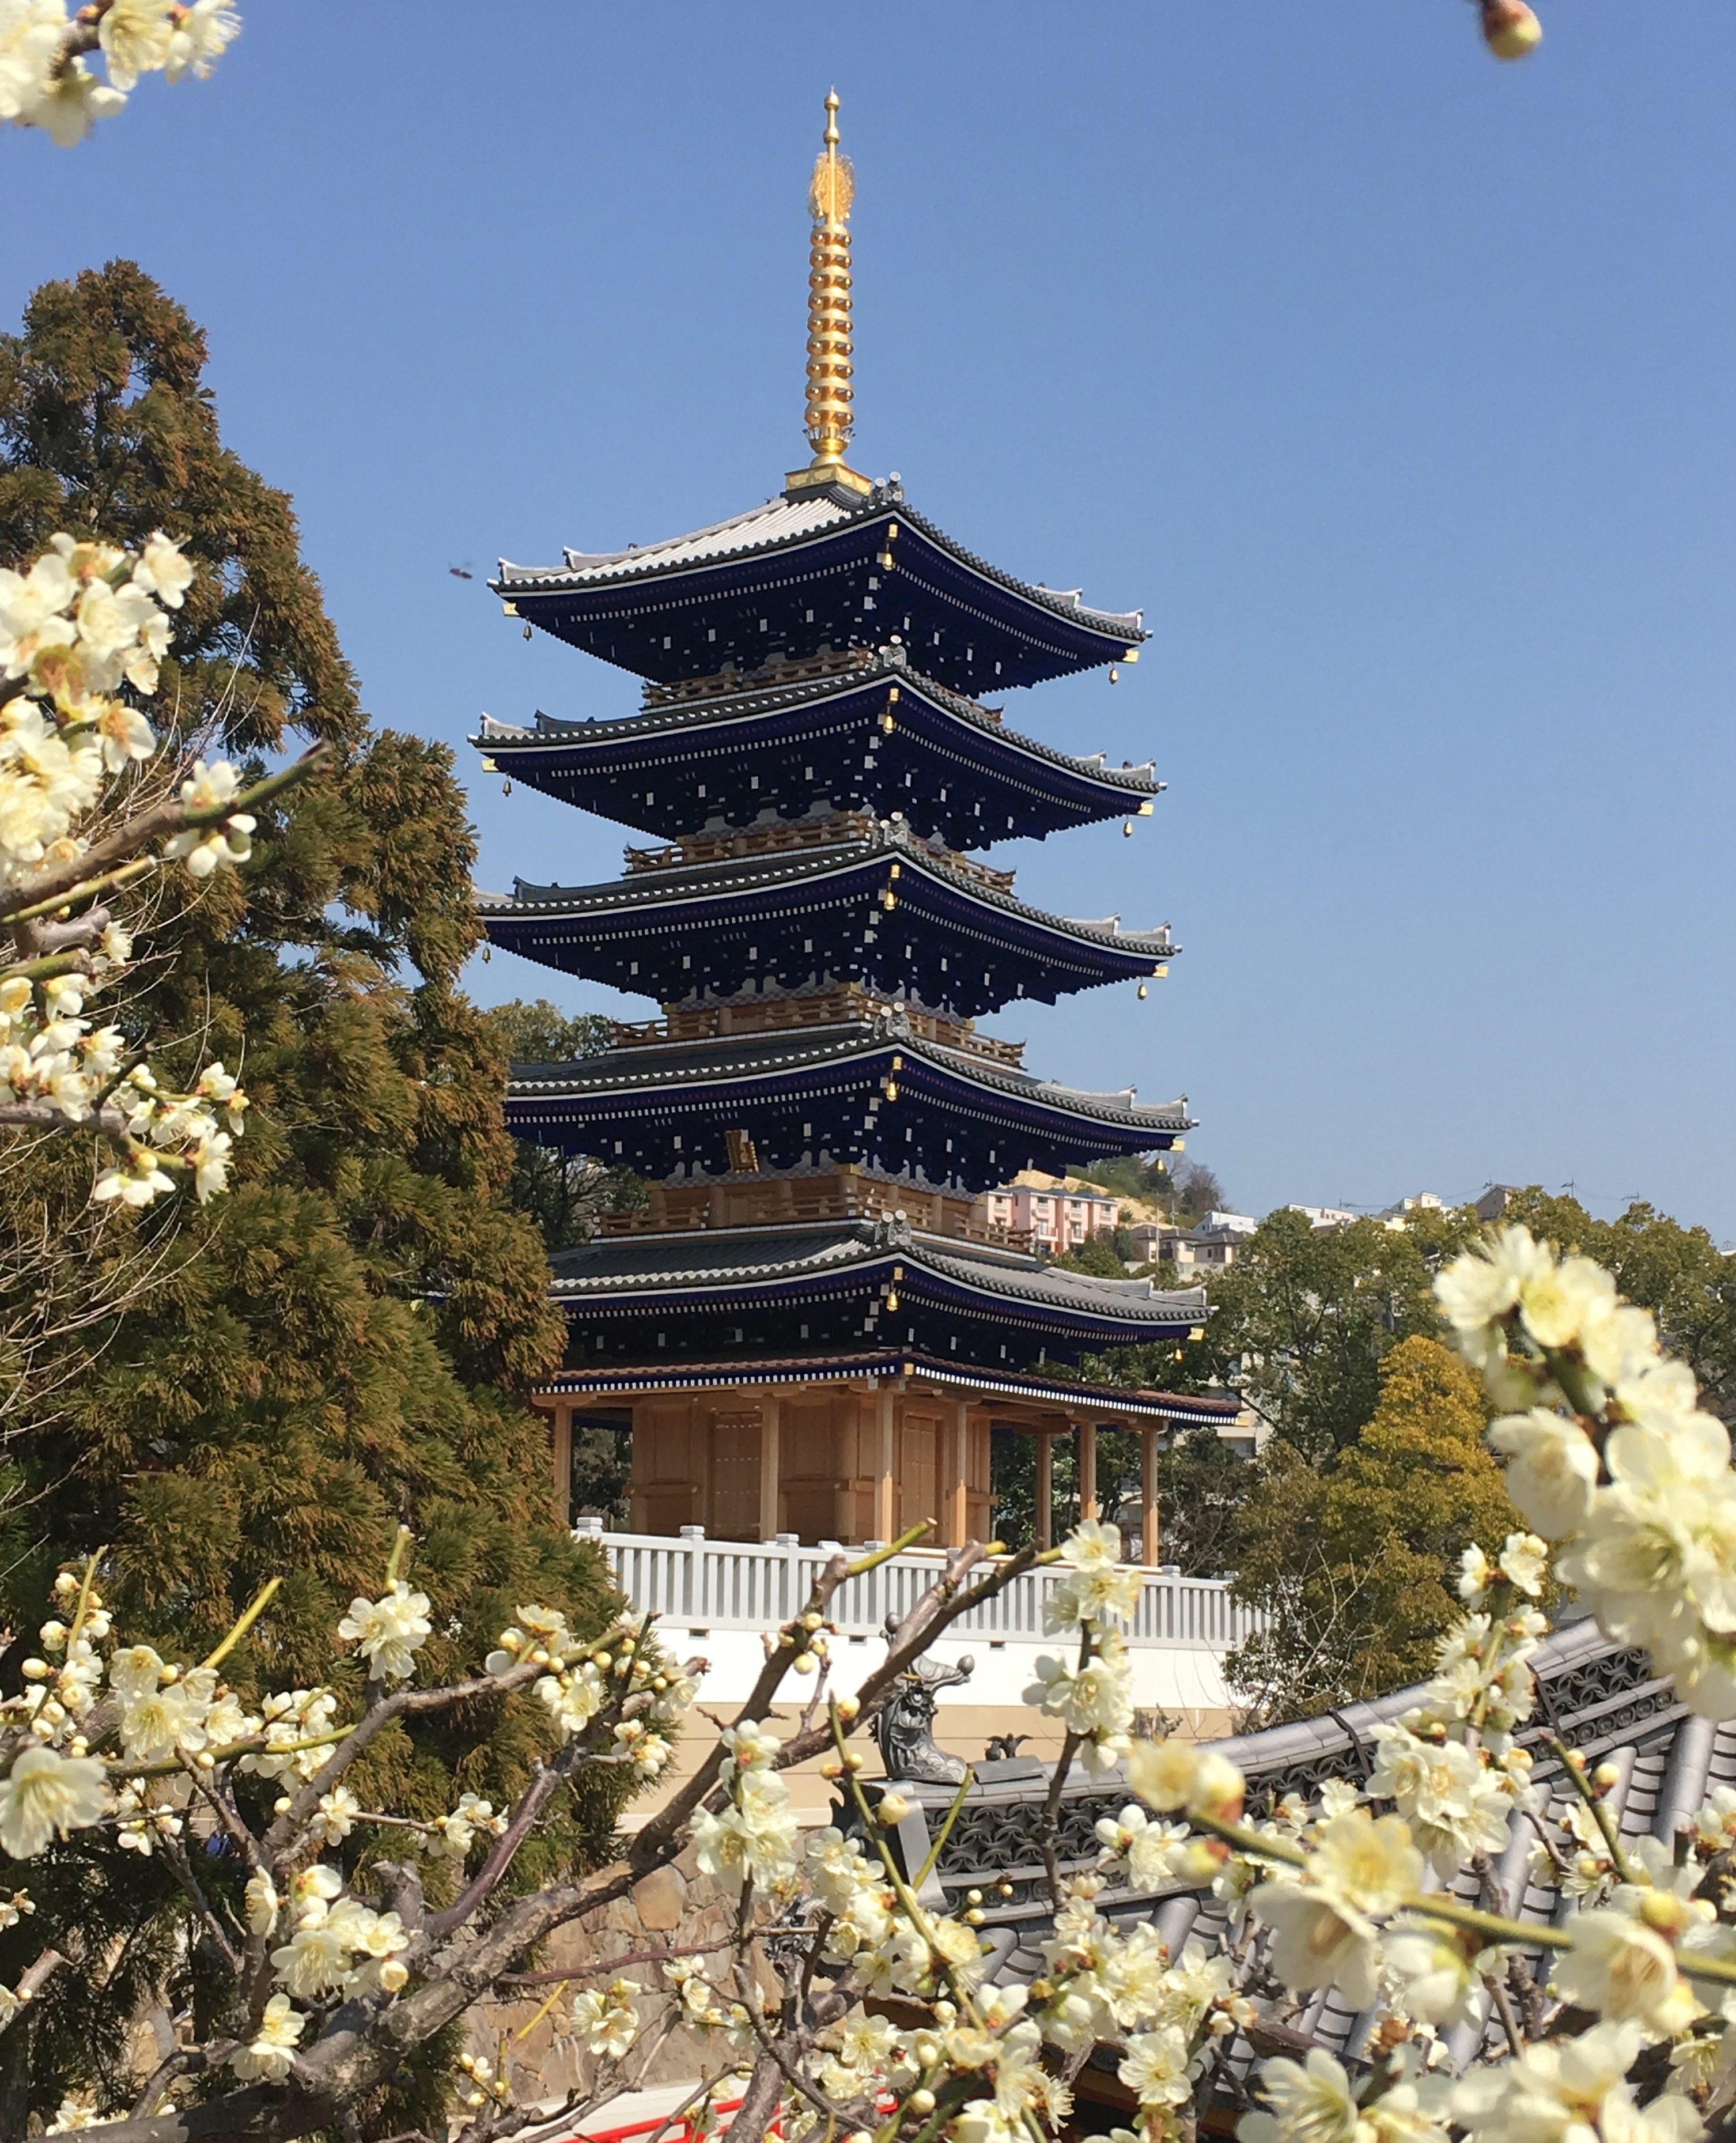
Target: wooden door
[919, 1475]
[735, 1478]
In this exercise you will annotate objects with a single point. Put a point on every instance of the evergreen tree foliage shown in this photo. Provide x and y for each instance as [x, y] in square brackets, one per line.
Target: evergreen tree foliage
[1354, 1561]
[342, 1342]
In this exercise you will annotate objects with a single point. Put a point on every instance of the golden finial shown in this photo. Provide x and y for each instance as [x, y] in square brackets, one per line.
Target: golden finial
[829, 419]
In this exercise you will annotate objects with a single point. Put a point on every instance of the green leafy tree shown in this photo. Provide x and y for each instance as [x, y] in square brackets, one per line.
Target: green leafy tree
[1353, 1561]
[1095, 1256]
[1300, 1323]
[343, 1343]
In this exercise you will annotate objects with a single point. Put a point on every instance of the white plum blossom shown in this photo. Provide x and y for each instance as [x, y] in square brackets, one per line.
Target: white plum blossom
[1307, 2102]
[269, 2056]
[1524, 1562]
[1154, 2068]
[1324, 1927]
[1567, 2089]
[456, 1833]
[84, 621]
[752, 1838]
[1551, 1470]
[1177, 1775]
[1096, 1584]
[41, 86]
[390, 1630]
[605, 2021]
[1150, 1852]
[45, 1795]
[1621, 1970]
[1455, 1806]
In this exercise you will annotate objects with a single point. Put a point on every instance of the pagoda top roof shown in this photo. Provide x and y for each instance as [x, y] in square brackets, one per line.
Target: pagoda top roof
[822, 569]
[715, 1061]
[697, 1260]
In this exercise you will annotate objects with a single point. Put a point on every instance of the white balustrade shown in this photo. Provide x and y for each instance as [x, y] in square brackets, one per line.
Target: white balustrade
[705, 1584]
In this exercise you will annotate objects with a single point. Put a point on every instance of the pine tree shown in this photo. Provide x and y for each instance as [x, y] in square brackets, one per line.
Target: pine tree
[342, 1342]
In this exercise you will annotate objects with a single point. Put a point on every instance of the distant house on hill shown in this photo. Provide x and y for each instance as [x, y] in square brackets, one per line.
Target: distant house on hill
[1210, 1246]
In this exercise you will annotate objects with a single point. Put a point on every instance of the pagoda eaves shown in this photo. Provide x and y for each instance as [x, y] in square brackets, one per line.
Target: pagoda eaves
[881, 910]
[871, 1094]
[874, 736]
[835, 1282]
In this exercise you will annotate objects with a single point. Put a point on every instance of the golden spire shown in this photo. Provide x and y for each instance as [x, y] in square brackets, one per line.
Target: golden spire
[829, 419]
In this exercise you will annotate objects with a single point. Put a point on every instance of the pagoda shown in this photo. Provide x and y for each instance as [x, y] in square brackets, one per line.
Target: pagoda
[809, 1329]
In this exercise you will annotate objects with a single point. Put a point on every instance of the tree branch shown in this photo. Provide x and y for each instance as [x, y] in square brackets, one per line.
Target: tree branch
[63, 881]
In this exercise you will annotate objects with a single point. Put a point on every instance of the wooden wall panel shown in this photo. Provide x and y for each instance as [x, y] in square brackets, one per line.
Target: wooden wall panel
[672, 1470]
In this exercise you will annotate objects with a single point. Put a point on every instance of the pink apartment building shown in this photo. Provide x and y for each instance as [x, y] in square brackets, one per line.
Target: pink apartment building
[1057, 1219]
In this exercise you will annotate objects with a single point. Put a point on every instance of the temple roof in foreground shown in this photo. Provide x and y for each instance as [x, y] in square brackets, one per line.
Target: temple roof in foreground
[877, 1092]
[1603, 1700]
[949, 764]
[797, 574]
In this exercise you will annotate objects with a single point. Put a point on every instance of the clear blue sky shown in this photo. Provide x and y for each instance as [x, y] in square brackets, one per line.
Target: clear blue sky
[1394, 383]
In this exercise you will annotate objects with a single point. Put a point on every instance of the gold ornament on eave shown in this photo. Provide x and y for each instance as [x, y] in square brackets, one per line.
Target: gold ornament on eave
[830, 417]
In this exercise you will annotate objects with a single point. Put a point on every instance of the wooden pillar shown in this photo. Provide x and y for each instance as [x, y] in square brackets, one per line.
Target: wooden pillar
[771, 1413]
[1087, 1470]
[639, 1499]
[956, 1491]
[1151, 1537]
[1046, 1487]
[886, 1465]
[563, 1462]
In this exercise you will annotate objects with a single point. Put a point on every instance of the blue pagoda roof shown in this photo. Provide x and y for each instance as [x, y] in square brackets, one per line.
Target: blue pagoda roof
[696, 1294]
[869, 1093]
[950, 936]
[795, 576]
[945, 762]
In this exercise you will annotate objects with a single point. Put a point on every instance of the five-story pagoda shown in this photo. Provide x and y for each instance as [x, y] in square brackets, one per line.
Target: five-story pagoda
[807, 1329]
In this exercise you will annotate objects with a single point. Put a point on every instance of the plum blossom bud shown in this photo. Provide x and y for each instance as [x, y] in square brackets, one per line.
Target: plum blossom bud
[1511, 29]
